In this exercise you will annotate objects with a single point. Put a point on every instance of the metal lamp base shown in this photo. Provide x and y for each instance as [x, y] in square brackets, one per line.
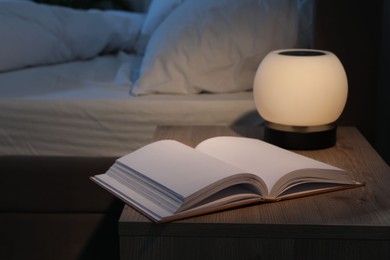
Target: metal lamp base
[301, 138]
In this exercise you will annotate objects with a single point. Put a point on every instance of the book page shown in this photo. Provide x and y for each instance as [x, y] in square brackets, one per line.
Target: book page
[258, 157]
[151, 209]
[177, 167]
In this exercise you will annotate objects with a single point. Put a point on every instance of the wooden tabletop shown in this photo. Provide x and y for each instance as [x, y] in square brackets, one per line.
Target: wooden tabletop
[362, 211]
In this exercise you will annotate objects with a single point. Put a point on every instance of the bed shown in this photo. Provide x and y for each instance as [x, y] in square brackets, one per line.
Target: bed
[79, 88]
[96, 83]
[82, 117]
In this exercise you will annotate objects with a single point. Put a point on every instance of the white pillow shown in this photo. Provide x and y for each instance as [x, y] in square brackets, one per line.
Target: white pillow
[157, 12]
[37, 34]
[215, 46]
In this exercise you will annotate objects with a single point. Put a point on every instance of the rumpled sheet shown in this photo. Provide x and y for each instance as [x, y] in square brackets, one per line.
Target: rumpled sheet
[37, 34]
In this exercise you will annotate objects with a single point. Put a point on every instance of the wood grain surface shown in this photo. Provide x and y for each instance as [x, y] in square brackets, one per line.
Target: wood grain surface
[358, 217]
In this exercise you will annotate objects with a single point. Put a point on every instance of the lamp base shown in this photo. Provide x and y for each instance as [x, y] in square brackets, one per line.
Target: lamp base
[301, 138]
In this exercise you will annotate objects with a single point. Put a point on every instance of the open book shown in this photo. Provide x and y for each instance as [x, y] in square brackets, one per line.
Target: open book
[167, 180]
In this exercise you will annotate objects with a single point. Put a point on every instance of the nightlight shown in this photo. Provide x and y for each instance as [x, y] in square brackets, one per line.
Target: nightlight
[300, 93]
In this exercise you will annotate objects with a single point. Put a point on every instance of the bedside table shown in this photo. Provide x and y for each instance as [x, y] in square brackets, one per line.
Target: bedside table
[347, 224]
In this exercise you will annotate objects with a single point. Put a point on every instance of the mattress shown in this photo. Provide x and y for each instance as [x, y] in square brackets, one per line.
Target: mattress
[84, 108]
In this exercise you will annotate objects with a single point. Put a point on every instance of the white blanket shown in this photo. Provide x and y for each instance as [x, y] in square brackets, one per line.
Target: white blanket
[37, 34]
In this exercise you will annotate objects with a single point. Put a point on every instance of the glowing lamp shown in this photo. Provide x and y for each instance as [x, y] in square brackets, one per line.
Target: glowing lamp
[300, 93]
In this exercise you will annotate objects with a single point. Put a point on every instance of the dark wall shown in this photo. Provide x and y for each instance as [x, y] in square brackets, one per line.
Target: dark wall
[382, 142]
[353, 31]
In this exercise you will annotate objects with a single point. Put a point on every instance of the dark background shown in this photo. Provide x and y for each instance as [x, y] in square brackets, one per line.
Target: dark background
[358, 33]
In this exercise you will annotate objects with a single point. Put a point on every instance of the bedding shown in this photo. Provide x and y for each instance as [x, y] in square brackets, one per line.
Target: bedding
[82, 83]
[83, 109]
[38, 34]
[216, 46]
[157, 12]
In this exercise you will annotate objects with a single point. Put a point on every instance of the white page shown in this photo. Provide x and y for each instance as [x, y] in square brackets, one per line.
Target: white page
[258, 157]
[178, 167]
[132, 197]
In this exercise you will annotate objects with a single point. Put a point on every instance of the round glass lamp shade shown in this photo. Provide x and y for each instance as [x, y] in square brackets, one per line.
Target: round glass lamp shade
[301, 93]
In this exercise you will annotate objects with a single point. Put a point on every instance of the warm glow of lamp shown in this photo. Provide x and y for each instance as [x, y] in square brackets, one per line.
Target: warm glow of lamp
[300, 93]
